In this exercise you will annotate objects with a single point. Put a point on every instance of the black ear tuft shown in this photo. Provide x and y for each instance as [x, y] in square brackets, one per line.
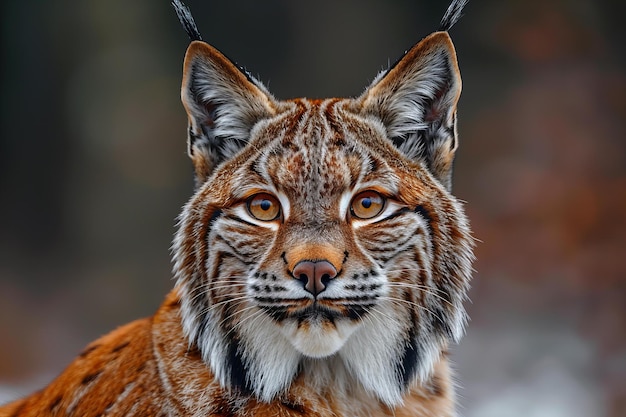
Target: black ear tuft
[452, 15]
[186, 19]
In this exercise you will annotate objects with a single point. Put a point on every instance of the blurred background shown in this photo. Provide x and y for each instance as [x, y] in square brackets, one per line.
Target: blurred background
[93, 172]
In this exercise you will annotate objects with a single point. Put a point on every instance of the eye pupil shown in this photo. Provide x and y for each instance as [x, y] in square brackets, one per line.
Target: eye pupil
[366, 202]
[265, 205]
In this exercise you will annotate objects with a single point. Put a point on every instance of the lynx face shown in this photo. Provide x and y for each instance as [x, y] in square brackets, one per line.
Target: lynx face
[322, 232]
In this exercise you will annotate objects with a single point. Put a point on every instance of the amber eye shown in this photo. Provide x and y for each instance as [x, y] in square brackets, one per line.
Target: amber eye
[264, 207]
[367, 205]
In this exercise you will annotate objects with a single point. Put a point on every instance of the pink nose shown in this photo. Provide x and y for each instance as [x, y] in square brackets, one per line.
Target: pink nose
[315, 275]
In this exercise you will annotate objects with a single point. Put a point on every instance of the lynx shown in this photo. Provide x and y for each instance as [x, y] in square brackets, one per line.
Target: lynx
[321, 263]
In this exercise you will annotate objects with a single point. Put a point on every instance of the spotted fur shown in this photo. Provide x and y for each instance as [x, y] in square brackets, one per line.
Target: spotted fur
[242, 334]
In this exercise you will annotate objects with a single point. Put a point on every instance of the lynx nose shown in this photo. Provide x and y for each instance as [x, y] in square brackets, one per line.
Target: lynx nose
[315, 275]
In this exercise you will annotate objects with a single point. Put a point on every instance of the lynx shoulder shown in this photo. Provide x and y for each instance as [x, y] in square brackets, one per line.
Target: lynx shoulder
[321, 263]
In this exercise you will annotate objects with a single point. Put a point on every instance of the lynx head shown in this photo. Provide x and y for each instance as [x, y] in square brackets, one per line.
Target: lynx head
[323, 231]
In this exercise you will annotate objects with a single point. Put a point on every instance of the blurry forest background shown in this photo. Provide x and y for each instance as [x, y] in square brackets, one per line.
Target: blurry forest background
[93, 172]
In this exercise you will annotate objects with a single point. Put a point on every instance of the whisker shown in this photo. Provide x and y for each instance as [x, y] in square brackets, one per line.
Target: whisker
[399, 301]
[203, 289]
[421, 288]
[238, 296]
[227, 286]
[243, 310]
[391, 271]
[254, 317]
[214, 306]
[223, 281]
[377, 310]
[208, 310]
[414, 285]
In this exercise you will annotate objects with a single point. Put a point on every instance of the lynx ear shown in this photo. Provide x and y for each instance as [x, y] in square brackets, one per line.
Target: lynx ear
[416, 100]
[223, 103]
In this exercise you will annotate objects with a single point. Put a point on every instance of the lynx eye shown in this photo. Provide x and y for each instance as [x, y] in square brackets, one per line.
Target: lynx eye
[263, 207]
[367, 205]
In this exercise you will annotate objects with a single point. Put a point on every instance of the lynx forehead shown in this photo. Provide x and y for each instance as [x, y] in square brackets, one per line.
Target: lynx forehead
[321, 264]
[315, 152]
